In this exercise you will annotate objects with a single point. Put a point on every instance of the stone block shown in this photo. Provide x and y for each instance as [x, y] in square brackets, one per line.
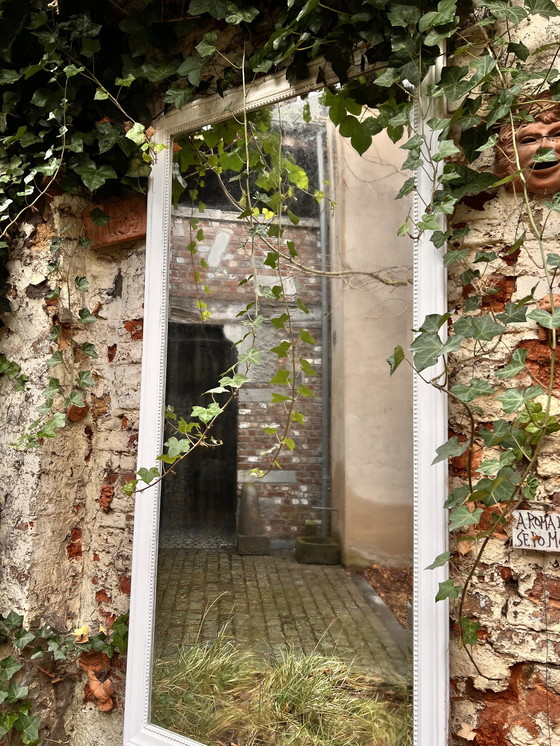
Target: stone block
[317, 550]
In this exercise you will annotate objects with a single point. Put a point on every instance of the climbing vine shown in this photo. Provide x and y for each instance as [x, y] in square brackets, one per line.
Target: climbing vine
[83, 84]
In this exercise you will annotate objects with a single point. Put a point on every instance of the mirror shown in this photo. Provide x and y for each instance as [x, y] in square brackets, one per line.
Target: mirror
[285, 324]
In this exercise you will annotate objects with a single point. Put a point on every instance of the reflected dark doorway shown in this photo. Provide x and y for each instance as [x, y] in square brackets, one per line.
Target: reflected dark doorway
[198, 506]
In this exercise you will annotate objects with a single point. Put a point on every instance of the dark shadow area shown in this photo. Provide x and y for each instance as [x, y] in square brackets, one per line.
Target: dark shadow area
[198, 506]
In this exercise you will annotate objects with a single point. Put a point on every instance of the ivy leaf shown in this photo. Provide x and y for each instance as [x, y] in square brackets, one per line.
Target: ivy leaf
[477, 387]
[450, 448]
[191, 69]
[207, 46]
[148, 475]
[175, 447]
[125, 82]
[545, 318]
[439, 561]
[216, 8]
[282, 349]
[85, 316]
[307, 368]
[98, 217]
[137, 133]
[514, 399]
[89, 349]
[55, 360]
[206, 414]
[281, 377]
[94, 176]
[75, 399]
[447, 148]
[17, 692]
[305, 336]
[178, 97]
[469, 631]
[82, 283]
[544, 8]
[23, 638]
[239, 15]
[463, 516]
[513, 313]
[7, 721]
[457, 496]
[515, 365]
[395, 359]
[28, 726]
[9, 667]
[84, 378]
[553, 260]
[448, 589]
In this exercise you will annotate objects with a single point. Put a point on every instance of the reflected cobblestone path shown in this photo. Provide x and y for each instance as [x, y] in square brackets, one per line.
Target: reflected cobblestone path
[267, 602]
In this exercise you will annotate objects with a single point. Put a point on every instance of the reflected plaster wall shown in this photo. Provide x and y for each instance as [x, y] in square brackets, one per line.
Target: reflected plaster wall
[371, 411]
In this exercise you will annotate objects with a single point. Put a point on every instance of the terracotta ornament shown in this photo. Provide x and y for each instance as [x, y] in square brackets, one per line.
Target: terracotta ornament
[542, 177]
[93, 664]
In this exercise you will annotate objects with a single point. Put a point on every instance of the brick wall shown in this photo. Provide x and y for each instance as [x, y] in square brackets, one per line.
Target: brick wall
[224, 257]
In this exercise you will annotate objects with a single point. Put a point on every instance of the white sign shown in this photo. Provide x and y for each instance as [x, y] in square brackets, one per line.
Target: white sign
[535, 529]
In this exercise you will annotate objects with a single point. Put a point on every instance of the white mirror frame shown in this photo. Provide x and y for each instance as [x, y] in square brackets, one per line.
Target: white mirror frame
[430, 647]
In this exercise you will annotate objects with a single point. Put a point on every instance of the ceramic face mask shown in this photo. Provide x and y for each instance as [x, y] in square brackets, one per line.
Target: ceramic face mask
[541, 177]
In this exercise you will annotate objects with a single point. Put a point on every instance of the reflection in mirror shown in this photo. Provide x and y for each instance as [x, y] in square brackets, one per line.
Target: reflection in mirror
[288, 512]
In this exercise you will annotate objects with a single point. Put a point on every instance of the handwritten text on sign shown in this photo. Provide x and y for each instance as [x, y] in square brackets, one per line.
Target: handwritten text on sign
[533, 529]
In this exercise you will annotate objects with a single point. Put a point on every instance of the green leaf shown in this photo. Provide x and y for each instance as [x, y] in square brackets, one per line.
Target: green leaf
[17, 692]
[305, 336]
[207, 414]
[215, 8]
[207, 46]
[545, 318]
[28, 726]
[447, 148]
[75, 399]
[544, 8]
[178, 97]
[277, 398]
[282, 349]
[148, 475]
[439, 561]
[395, 359]
[82, 283]
[450, 448]
[241, 15]
[457, 496]
[98, 217]
[477, 387]
[7, 722]
[84, 378]
[281, 377]
[307, 368]
[54, 294]
[85, 316]
[55, 360]
[305, 391]
[191, 68]
[89, 349]
[553, 260]
[23, 638]
[101, 94]
[514, 399]
[515, 365]
[8, 667]
[463, 516]
[93, 175]
[469, 631]
[176, 446]
[125, 82]
[137, 133]
[448, 589]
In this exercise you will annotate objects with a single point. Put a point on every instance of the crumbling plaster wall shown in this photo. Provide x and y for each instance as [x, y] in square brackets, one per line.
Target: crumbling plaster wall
[513, 699]
[65, 527]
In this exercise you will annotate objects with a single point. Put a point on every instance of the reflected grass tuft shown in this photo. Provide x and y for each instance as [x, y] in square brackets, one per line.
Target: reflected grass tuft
[219, 694]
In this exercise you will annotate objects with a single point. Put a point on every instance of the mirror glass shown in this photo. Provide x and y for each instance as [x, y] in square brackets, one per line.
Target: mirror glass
[285, 526]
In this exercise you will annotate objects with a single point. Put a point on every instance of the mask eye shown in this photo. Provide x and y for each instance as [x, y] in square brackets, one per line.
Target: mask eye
[528, 140]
